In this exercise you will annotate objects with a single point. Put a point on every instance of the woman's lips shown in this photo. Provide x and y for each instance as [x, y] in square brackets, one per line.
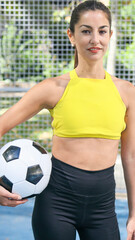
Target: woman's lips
[94, 50]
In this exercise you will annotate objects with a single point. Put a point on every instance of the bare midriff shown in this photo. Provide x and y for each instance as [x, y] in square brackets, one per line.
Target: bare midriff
[86, 153]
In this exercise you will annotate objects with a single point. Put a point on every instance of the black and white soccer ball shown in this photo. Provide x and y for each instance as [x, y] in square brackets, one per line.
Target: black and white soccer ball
[25, 167]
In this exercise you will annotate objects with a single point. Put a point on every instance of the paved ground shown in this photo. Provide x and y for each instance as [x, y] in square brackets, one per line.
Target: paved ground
[15, 223]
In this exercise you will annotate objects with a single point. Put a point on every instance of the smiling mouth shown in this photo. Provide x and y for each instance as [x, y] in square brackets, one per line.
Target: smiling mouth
[94, 50]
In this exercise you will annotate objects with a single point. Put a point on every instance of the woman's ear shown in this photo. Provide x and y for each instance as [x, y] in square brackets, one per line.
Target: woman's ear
[71, 37]
[111, 33]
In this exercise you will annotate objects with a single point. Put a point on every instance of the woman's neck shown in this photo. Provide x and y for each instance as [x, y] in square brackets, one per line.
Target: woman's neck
[91, 70]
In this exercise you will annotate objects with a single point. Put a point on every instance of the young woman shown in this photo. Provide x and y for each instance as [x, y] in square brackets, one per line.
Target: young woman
[92, 111]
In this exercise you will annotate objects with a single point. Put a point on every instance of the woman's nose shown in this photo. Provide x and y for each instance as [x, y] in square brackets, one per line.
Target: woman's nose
[94, 39]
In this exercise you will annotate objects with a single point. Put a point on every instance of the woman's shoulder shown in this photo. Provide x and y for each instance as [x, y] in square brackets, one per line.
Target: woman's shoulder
[53, 84]
[58, 81]
[52, 89]
[126, 88]
[123, 82]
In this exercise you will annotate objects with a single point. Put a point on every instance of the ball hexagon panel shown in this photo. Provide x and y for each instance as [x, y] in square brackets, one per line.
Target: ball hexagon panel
[46, 164]
[11, 153]
[6, 183]
[24, 189]
[2, 166]
[16, 171]
[42, 184]
[30, 155]
[34, 174]
[22, 142]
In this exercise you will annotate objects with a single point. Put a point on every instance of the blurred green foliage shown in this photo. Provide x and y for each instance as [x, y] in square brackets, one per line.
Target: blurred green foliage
[126, 38]
[23, 57]
[31, 55]
[37, 128]
[128, 14]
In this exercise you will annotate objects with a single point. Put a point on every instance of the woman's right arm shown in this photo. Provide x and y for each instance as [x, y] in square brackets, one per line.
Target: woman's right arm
[43, 95]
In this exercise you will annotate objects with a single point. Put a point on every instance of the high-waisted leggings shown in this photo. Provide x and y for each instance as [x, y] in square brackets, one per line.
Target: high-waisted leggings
[76, 200]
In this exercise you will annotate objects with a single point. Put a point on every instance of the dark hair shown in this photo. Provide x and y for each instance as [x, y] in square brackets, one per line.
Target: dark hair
[83, 7]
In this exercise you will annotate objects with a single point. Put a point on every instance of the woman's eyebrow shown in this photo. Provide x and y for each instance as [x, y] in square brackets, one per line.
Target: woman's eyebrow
[88, 26]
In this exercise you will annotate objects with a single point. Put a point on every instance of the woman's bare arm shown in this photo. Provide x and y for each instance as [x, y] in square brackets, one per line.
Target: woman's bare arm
[128, 158]
[42, 95]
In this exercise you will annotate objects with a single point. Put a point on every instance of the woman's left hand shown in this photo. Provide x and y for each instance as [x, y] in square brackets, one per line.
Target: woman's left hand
[131, 229]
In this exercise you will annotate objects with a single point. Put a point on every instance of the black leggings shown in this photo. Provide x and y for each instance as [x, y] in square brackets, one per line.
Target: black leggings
[76, 199]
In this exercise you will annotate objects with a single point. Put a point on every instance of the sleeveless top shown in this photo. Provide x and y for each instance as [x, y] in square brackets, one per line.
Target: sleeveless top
[89, 108]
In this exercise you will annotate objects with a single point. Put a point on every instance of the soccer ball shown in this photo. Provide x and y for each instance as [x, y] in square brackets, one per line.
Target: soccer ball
[25, 167]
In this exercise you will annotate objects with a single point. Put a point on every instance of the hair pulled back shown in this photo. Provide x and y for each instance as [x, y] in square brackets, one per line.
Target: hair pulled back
[89, 5]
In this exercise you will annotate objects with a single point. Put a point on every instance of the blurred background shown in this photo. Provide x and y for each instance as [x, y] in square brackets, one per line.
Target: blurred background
[34, 46]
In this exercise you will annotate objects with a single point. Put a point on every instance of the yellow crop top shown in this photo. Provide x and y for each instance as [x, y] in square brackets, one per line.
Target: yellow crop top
[89, 108]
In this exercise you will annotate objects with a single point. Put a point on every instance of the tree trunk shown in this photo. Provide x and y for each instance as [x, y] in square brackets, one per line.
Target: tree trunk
[112, 48]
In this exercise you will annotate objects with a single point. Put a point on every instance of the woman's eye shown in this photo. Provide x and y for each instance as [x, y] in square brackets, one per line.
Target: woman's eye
[102, 32]
[86, 31]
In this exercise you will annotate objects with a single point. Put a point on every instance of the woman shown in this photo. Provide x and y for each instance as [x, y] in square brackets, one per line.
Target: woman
[91, 112]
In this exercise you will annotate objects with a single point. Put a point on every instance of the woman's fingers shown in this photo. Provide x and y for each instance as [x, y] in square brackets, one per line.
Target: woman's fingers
[10, 199]
[11, 203]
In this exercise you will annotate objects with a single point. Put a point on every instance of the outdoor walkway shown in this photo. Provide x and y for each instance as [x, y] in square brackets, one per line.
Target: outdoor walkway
[15, 223]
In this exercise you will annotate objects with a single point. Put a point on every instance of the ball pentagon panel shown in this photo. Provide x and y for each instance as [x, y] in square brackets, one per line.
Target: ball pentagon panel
[34, 174]
[11, 153]
[6, 183]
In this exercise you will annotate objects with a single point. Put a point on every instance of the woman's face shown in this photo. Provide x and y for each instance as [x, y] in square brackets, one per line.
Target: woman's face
[92, 35]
